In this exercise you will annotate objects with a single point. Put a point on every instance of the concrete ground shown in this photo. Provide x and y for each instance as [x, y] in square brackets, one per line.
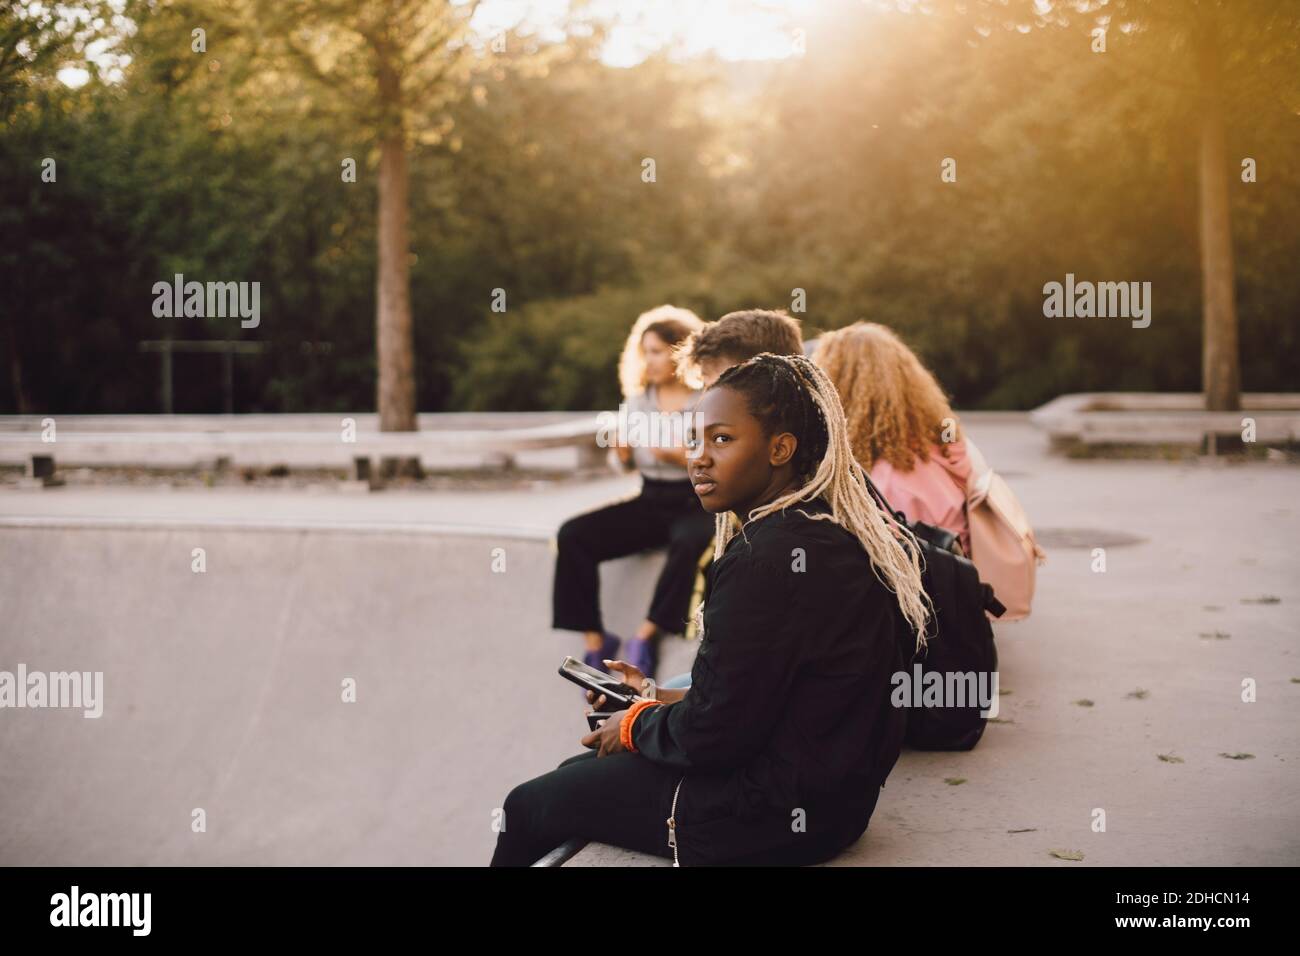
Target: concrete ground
[222, 689]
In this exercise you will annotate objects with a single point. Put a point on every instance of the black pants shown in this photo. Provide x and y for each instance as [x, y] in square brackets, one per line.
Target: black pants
[625, 800]
[664, 513]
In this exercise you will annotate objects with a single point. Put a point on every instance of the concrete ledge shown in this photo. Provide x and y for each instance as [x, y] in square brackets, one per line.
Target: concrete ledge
[330, 422]
[1154, 418]
[602, 854]
[293, 524]
[445, 440]
[322, 447]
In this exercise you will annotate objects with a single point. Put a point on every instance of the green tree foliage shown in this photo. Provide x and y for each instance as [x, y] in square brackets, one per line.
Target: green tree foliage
[1067, 162]
[820, 173]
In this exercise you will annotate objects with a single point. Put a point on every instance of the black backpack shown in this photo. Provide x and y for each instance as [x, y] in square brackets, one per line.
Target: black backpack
[959, 637]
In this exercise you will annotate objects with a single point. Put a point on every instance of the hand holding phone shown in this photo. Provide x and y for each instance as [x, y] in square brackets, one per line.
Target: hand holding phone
[615, 694]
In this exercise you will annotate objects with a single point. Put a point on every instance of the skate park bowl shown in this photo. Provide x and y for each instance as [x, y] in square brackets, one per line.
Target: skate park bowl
[225, 737]
[321, 678]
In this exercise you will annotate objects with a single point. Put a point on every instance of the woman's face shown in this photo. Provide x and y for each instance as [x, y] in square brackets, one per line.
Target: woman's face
[737, 467]
[659, 366]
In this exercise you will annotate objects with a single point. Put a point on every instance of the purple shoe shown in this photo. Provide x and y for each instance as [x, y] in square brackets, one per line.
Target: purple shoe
[597, 659]
[608, 650]
[640, 653]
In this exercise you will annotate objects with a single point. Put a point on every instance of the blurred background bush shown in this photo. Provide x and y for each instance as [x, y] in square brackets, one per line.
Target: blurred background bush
[818, 171]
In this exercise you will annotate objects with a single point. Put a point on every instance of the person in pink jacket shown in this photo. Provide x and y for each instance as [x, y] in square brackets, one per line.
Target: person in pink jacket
[901, 427]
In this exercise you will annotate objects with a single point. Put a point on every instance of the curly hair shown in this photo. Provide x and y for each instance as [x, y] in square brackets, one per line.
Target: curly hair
[896, 409]
[788, 393]
[671, 324]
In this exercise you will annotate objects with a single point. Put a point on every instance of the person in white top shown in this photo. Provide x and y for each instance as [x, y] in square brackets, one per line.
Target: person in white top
[666, 512]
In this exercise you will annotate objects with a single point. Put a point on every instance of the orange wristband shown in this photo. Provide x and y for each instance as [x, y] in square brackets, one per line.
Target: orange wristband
[625, 731]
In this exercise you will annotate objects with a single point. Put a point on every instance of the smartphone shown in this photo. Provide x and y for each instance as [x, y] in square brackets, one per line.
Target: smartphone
[617, 694]
[594, 720]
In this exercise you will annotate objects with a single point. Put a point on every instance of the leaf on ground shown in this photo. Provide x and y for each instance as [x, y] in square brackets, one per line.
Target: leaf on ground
[1295, 680]
[1067, 854]
[1262, 599]
[954, 781]
[1238, 756]
[1170, 758]
[1138, 694]
[1025, 830]
[1001, 720]
[1083, 702]
[1003, 693]
[1215, 635]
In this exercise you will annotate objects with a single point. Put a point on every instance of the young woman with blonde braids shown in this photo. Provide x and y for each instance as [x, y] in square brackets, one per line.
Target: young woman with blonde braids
[777, 753]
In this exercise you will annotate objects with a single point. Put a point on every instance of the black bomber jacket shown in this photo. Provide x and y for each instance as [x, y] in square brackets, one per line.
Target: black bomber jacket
[789, 705]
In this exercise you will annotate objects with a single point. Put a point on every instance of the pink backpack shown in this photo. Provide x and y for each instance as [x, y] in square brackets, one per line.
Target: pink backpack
[1002, 542]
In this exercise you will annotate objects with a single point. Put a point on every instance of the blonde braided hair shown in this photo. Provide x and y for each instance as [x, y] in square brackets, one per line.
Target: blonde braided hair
[833, 474]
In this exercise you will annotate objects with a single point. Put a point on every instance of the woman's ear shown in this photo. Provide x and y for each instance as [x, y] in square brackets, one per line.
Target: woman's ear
[782, 449]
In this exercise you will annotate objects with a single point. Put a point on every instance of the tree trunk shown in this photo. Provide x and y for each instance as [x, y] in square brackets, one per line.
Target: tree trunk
[1220, 368]
[21, 404]
[395, 345]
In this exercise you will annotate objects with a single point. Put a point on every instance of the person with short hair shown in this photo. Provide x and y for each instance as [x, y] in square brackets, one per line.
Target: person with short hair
[735, 338]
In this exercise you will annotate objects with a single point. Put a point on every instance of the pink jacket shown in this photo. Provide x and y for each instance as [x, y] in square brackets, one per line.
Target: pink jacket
[934, 491]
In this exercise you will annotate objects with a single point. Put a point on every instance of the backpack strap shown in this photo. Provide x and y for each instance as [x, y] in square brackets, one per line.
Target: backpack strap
[991, 602]
[879, 497]
[977, 482]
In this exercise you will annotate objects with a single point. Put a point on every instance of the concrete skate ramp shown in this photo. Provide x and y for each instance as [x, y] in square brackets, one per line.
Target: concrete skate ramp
[1124, 690]
[223, 691]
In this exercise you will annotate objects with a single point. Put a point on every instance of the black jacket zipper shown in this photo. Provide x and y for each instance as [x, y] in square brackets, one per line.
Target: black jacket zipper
[672, 823]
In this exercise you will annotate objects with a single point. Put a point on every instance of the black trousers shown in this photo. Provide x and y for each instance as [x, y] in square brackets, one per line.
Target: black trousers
[625, 800]
[665, 513]
[622, 799]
